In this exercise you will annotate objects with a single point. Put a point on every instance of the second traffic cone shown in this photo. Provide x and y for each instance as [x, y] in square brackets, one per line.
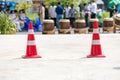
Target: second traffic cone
[96, 51]
[31, 51]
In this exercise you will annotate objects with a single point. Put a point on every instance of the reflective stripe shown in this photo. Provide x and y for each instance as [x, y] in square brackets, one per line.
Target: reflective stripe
[31, 31]
[95, 31]
[96, 42]
[31, 43]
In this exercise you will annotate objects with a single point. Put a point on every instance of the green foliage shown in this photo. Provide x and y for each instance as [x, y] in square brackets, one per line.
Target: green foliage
[64, 2]
[105, 14]
[84, 1]
[49, 2]
[69, 2]
[100, 22]
[24, 6]
[32, 16]
[6, 25]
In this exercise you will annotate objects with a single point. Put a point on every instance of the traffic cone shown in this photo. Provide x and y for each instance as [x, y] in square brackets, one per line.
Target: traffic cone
[31, 51]
[96, 51]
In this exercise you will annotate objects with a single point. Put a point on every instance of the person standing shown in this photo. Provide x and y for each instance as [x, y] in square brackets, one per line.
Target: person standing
[99, 13]
[87, 11]
[80, 10]
[93, 9]
[112, 11]
[72, 13]
[67, 9]
[22, 18]
[46, 12]
[14, 17]
[59, 11]
[42, 13]
[52, 13]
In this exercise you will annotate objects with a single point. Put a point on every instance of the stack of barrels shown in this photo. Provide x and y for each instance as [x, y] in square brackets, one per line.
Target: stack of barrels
[80, 27]
[65, 27]
[48, 27]
[108, 25]
[117, 21]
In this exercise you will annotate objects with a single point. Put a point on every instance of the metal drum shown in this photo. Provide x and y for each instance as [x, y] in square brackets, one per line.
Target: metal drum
[108, 25]
[48, 27]
[64, 26]
[91, 24]
[80, 26]
[116, 21]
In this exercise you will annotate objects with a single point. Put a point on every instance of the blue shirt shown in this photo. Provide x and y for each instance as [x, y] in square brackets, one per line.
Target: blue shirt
[59, 10]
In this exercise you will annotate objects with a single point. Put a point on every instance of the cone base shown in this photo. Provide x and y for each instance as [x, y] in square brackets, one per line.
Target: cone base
[96, 56]
[28, 57]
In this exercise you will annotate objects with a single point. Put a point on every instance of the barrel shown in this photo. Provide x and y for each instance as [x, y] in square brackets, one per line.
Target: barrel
[64, 26]
[91, 24]
[116, 21]
[80, 26]
[48, 27]
[108, 25]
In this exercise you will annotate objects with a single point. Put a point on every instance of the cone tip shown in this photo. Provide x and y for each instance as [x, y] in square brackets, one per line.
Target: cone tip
[95, 24]
[30, 25]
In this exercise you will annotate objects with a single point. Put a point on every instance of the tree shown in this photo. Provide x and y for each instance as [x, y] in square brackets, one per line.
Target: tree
[64, 2]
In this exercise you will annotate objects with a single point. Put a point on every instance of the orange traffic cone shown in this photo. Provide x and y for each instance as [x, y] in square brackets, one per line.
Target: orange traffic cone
[31, 51]
[96, 51]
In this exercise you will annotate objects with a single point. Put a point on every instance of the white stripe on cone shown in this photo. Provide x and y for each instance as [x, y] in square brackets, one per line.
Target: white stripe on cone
[30, 43]
[95, 31]
[96, 42]
[31, 31]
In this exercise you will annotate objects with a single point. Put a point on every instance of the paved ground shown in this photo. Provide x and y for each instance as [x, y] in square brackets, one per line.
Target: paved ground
[63, 58]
